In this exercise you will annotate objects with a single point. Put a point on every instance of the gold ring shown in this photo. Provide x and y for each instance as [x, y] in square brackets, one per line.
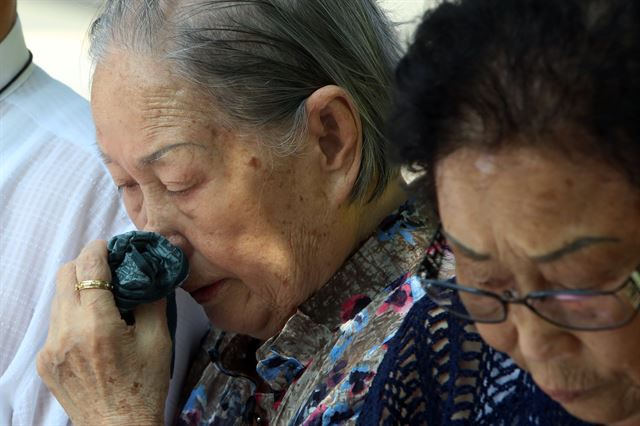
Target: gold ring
[100, 284]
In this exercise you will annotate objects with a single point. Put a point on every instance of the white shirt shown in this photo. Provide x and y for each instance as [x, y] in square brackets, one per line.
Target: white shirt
[55, 197]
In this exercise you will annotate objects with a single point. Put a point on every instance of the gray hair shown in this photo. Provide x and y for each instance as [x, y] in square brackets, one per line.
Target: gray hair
[261, 59]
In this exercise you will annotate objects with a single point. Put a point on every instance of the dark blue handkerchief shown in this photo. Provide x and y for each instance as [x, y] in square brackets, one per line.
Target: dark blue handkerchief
[146, 267]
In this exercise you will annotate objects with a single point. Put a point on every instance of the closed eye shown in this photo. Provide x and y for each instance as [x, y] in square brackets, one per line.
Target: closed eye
[179, 193]
[182, 188]
[126, 186]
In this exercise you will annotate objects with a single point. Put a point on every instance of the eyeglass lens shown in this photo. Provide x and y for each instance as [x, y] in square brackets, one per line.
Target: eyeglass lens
[570, 310]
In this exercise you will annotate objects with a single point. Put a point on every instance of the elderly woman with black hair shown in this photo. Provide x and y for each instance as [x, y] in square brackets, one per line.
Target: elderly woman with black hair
[526, 117]
[248, 133]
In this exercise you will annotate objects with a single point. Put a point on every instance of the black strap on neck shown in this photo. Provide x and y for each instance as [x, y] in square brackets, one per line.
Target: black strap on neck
[17, 76]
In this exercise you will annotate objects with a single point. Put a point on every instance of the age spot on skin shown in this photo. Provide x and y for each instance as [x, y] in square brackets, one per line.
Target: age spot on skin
[255, 163]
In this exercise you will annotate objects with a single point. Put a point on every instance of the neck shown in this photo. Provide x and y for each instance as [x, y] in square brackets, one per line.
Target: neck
[8, 16]
[357, 224]
[377, 210]
[632, 421]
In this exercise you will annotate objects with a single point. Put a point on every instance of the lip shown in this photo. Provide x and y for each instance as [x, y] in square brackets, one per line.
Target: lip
[208, 292]
[564, 396]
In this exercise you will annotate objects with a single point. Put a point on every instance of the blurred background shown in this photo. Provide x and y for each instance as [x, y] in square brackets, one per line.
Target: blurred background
[56, 33]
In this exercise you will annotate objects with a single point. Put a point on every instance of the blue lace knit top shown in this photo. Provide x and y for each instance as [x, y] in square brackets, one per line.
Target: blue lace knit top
[439, 372]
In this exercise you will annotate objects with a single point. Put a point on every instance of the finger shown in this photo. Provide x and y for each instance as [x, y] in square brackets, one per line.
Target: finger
[151, 327]
[92, 264]
[152, 317]
[65, 285]
[65, 300]
[46, 369]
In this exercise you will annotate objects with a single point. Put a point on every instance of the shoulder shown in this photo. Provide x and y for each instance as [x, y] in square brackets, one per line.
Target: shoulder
[51, 169]
[56, 197]
[49, 135]
[49, 106]
[337, 380]
[414, 380]
[438, 371]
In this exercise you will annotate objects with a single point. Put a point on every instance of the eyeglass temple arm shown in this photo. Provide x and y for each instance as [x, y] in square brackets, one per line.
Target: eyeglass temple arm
[635, 296]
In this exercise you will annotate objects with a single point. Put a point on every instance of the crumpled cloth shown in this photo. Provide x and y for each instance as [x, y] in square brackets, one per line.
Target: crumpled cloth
[146, 267]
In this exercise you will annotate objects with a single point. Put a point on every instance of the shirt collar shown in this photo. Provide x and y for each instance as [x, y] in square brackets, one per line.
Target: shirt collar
[14, 54]
[398, 246]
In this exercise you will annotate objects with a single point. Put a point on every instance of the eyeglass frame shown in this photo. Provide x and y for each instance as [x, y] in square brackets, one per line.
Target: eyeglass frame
[508, 298]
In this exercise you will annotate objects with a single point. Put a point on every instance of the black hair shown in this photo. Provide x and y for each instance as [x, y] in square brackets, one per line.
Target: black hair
[490, 73]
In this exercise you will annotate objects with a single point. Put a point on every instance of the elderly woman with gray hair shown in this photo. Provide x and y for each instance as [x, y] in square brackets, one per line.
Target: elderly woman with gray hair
[248, 133]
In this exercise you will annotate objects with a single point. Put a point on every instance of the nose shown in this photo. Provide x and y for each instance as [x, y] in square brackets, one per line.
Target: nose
[539, 340]
[163, 219]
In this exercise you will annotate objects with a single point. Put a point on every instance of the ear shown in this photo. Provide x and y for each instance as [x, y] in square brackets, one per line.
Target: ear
[335, 132]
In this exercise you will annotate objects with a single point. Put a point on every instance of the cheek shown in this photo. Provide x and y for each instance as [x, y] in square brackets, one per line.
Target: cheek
[617, 351]
[133, 203]
[228, 234]
[631, 342]
[502, 336]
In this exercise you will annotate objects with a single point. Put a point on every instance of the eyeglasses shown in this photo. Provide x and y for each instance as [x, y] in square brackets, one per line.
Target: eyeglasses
[586, 310]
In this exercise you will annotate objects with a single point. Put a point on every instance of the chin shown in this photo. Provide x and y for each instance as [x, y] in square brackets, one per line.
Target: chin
[255, 325]
[603, 411]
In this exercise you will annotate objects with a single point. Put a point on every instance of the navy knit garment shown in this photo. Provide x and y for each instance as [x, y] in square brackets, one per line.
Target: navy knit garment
[438, 371]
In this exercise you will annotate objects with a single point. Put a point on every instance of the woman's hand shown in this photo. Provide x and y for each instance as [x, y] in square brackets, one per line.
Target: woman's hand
[101, 370]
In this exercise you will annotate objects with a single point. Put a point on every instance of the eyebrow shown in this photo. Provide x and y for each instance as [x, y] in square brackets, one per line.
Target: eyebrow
[572, 247]
[466, 251]
[157, 155]
[154, 156]
[104, 157]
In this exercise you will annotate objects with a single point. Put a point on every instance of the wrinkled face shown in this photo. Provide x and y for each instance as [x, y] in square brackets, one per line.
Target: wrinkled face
[511, 211]
[258, 230]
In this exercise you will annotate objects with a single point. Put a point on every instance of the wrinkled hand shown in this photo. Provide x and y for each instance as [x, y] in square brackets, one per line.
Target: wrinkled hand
[101, 370]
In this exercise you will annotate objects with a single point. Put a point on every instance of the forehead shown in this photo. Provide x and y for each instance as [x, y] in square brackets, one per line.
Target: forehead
[124, 74]
[139, 98]
[539, 197]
